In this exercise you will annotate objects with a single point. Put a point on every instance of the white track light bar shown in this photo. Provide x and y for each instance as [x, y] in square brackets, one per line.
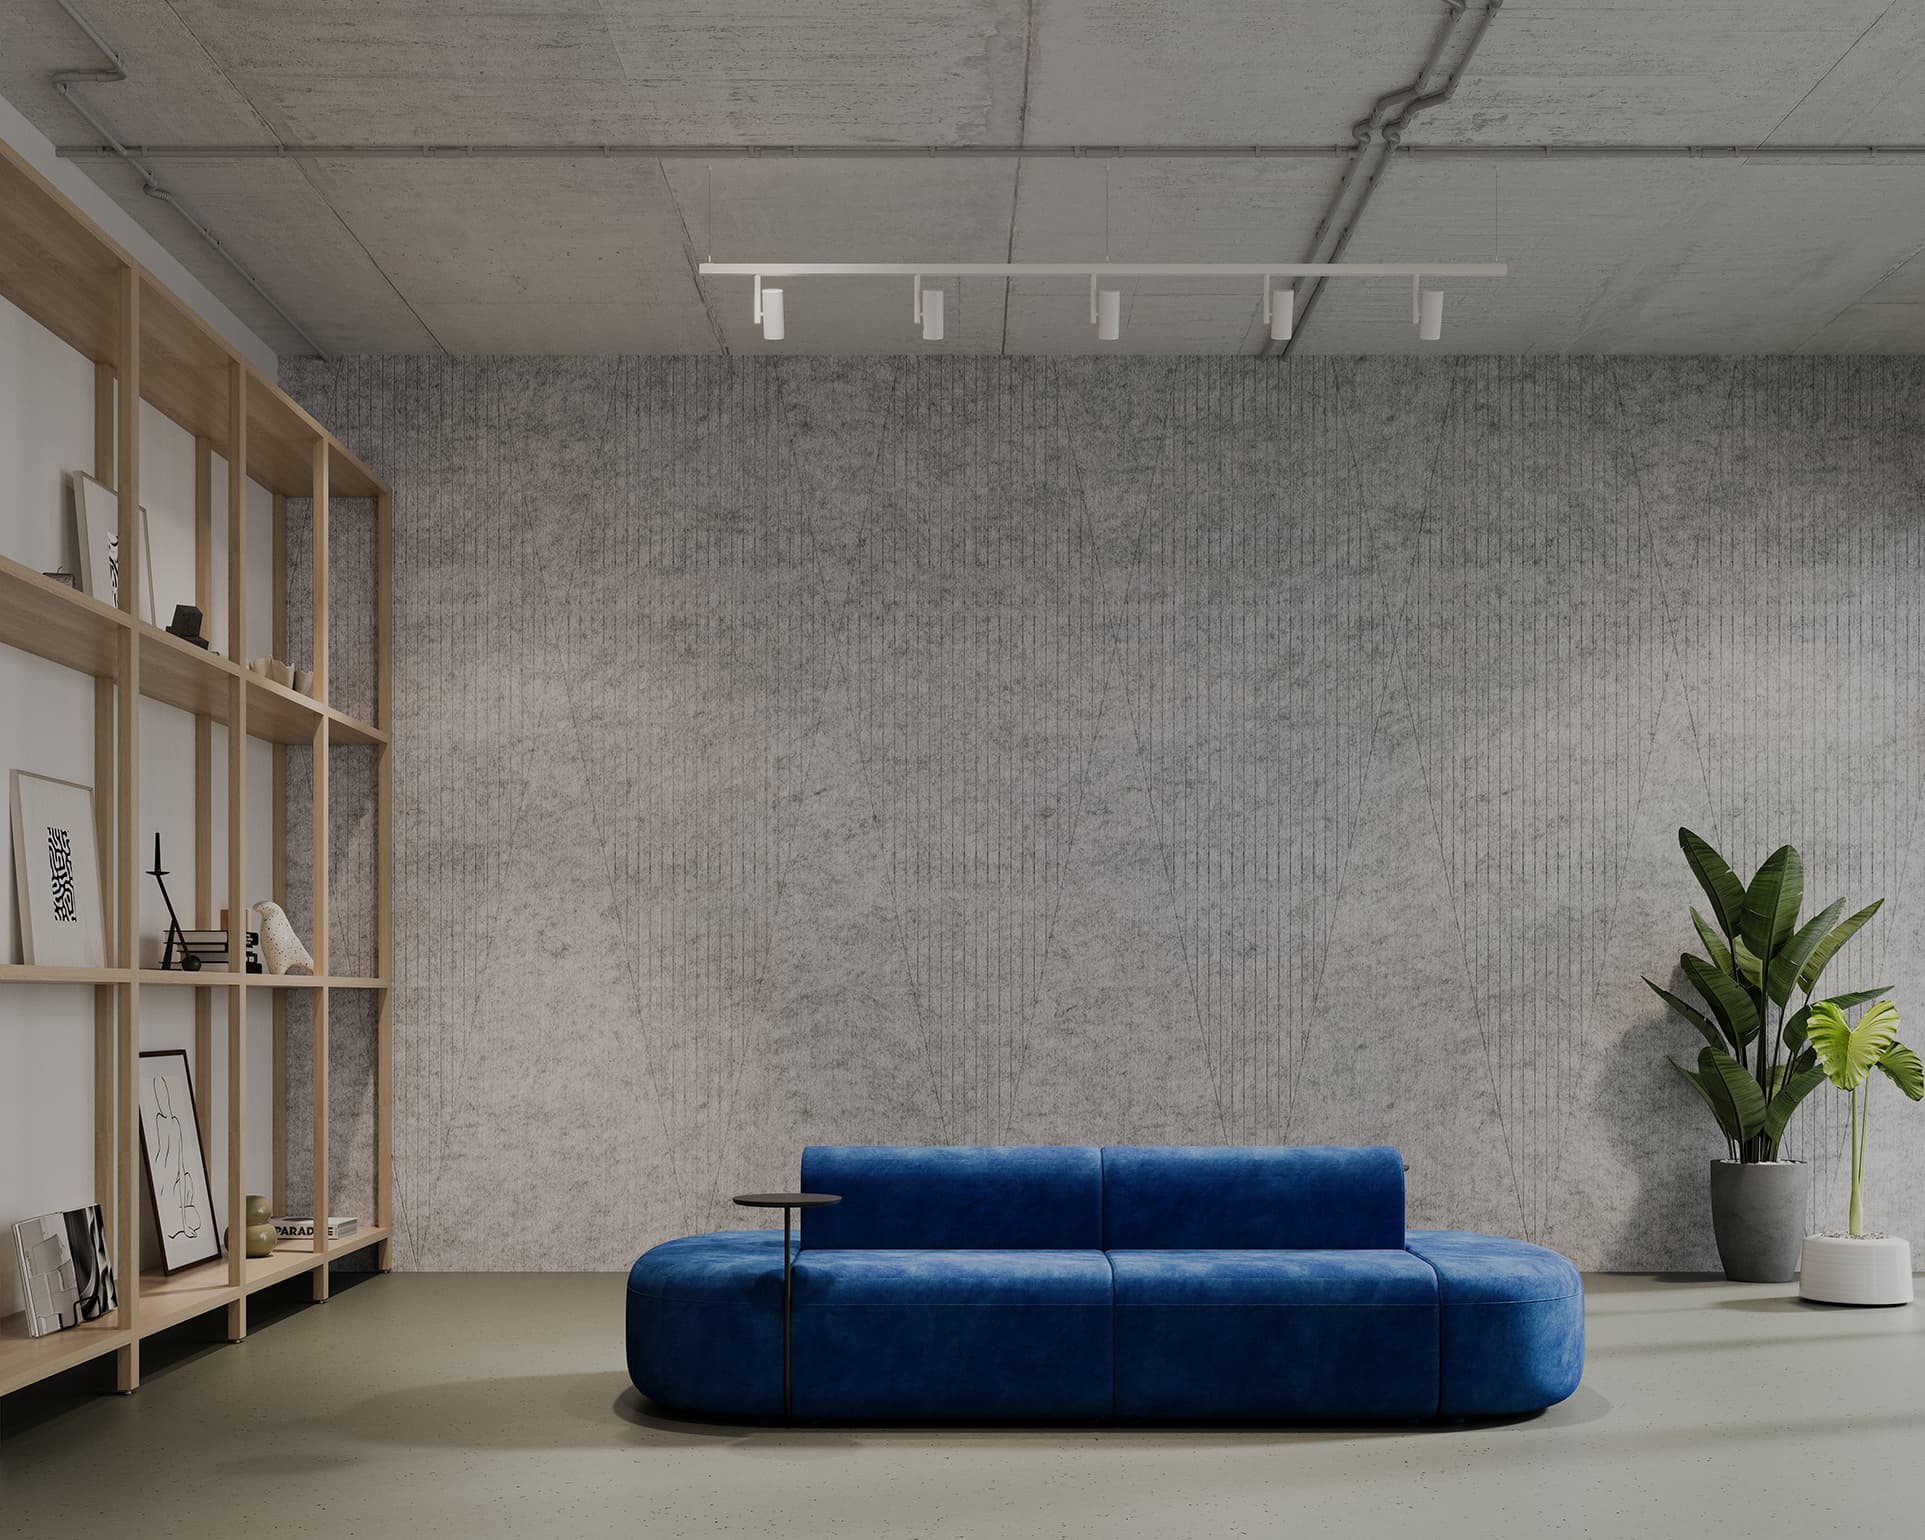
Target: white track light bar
[1103, 269]
[1105, 304]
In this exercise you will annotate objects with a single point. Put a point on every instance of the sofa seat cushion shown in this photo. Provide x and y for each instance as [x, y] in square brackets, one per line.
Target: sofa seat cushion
[942, 1335]
[1277, 1335]
[705, 1323]
[1512, 1323]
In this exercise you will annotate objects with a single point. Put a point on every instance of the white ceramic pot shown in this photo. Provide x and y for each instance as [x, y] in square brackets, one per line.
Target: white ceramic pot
[1856, 1270]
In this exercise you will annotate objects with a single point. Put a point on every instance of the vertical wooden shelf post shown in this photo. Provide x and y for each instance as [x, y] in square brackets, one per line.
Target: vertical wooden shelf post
[237, 847]
[106, 996]
[384, 876]
[277, 876]
[319, 643]
[203, 760]
[127, 815]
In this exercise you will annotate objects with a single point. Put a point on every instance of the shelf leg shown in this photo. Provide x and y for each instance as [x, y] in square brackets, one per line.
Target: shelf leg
[127, 1368]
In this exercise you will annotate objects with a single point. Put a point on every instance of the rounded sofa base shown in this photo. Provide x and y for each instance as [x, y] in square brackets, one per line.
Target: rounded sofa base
[704, 1328]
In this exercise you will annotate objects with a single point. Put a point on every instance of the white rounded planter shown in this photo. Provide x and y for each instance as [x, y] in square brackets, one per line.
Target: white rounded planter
[1856, 1270]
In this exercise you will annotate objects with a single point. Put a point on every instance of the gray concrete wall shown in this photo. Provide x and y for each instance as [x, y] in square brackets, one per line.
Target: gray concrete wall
[1147, 750]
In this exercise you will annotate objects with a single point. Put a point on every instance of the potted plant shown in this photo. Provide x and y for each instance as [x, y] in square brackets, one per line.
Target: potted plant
[1756, 1064]
[1856, 1268]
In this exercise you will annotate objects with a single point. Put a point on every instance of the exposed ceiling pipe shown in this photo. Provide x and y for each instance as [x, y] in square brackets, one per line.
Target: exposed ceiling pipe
[1432, 151]
[1379, 128]
[65, 80]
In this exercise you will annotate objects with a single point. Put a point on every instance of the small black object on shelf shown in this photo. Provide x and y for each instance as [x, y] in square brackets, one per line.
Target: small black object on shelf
[186, 624]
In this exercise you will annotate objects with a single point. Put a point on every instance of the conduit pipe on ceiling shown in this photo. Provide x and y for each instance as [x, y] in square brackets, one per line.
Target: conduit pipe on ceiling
[936, 152]
[64, 81]
[1377, 126]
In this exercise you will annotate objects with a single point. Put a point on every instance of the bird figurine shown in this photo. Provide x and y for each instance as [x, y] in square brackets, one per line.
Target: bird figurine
[281, 949]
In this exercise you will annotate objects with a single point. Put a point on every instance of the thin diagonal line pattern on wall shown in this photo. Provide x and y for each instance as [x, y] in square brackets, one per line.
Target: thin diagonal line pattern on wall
[731, 696]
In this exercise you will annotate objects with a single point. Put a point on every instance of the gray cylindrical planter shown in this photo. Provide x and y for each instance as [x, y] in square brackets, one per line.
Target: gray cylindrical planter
[1758, 1216]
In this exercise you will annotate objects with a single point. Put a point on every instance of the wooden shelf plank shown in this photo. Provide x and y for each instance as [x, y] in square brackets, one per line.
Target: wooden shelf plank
[166, 1302]
[27, 1360]
[55, 264]
[29, 973]
[62, 269]
[61, 624]
[179, 674]
[366, 1236]
[56, 622]
[220, 978]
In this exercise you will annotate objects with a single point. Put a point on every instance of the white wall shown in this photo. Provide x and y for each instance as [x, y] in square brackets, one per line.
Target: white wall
[46, 726]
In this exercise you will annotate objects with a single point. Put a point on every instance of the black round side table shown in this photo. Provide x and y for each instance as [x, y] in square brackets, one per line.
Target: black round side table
[788, 1202]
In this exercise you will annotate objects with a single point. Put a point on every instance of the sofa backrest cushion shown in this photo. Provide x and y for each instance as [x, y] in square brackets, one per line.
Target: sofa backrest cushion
[1252, 1198]
[957, 1197]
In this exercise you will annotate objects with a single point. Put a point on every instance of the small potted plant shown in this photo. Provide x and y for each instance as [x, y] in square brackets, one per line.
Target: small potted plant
[1856, 1268]
[1755, 981]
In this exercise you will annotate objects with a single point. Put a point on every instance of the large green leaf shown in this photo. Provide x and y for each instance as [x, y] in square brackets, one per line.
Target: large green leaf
[1828, 948]
[1903, 1068]
[1726, 1082]
[1692, 1014]
[1794, 1085]
[1744, 962]
[1794, 1032]
[1730, 1002]
[1714, 944]
[1770, 911]
[1847, 1053]
[1789, 960]
[1727, 1123]
[1720, 883]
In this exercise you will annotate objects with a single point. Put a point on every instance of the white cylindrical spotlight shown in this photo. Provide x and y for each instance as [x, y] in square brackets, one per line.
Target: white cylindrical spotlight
[1109, 314]
[1283, 313]
[1430, 315]
[772, 317]
[932, 315]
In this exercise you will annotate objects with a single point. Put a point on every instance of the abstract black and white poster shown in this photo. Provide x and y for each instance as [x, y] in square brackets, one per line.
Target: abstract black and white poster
[170, 1132]
[66, 1276]
[56, 866]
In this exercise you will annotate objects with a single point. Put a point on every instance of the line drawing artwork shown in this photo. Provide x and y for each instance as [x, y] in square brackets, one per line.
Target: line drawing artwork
[176, 1191]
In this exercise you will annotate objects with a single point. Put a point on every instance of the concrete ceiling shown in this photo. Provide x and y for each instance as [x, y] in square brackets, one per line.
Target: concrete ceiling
[596, 254]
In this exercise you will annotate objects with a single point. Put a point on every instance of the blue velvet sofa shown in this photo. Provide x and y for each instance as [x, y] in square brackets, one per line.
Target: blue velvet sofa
[1060, 1283]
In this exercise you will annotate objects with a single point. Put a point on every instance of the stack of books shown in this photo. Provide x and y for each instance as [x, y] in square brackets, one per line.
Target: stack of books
[303, 1229]
[209, 948]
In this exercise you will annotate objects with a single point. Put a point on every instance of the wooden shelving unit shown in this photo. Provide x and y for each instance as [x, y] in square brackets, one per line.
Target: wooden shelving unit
[70, 276]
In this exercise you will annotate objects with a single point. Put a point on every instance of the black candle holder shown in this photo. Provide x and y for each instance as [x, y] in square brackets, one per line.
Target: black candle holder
[174, 956]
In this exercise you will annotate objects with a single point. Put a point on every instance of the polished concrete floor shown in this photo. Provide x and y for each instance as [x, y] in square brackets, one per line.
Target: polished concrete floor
[496, 1405]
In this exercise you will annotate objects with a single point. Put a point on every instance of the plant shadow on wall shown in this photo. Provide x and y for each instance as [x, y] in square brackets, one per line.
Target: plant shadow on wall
[1757, 1063]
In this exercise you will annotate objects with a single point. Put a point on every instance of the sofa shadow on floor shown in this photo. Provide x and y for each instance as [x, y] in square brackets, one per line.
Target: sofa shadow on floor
[1582, 1407]
[556, 1412]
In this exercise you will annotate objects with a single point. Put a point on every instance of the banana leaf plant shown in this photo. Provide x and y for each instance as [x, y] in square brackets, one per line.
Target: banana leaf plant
[1848, 1055]
[1757, 1063]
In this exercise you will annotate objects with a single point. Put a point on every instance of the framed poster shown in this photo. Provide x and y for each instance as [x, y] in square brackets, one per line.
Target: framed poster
[65, 1274]
[97, 530]
[170, 1133]
[56, 867]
